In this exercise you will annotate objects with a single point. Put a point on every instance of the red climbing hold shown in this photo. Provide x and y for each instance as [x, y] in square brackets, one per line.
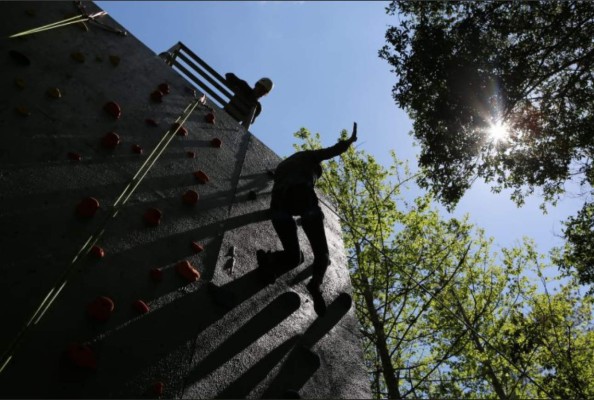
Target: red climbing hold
[197, 247]
[151, 122]
[101, 308]
[110, 140]
[181, 131]
[190, 197]
[81, 356]
[113, 109]
[187, 271]
[141, 306]
[216, 142]
[210, 118]
[137, 149]
[87, 207]
[156, 274]
[153, 216]
[157, 96]
[97, 252]
[201, 177]
[74, 156]
[191, 154]
[164, 88]
[158, 388]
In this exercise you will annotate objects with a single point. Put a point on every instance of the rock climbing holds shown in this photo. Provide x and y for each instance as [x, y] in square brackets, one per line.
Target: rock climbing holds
[152, 216]
[187, 271]
[190, 197]
[97, 252]
[136, 148]
[20, 83]
[158, 388]
[164, 88]
[82, 356]
[19, 58]
[74, 156]
[110, 140]
[216, 142]
[141, 306]
[156, 274]
[201, 177]
[210, 118]
[114, 60]
[22, 110]
[78, 56]
[101, 308]
[197, 247]
[87, 207]
[181, 131]
[151, 122]
[54, 93]
[157, 96]
[191, 154]
[113, 109]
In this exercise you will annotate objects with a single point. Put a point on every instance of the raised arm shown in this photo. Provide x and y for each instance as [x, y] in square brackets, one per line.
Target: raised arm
[337, 149]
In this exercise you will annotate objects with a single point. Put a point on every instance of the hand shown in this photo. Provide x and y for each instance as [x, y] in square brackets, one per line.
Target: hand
[353, 137]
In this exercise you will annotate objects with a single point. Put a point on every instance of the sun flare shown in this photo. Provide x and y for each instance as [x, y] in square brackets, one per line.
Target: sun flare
[498, 131]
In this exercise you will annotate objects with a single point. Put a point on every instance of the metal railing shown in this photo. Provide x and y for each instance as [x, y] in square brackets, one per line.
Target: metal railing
[199, 73]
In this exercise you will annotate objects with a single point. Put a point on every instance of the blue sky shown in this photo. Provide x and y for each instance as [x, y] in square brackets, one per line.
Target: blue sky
[323, 59]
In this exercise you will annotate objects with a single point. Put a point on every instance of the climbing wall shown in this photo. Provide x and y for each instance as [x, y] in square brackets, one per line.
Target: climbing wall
[131, 211]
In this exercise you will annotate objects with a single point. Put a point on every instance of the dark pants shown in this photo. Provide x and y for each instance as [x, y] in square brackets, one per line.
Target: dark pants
[312, 221]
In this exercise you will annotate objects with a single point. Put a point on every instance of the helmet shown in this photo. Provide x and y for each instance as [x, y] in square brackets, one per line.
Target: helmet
[266, 83]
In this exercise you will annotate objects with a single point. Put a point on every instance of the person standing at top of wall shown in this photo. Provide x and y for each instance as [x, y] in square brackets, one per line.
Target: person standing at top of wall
[244, 105]
[293, 195]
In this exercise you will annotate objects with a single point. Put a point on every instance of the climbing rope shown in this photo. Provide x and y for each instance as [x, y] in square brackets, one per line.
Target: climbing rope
[53, 294]
[77, 19]
[419, 284]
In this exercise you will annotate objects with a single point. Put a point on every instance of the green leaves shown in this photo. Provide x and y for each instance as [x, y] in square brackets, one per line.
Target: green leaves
[464, 66]
[440, 314]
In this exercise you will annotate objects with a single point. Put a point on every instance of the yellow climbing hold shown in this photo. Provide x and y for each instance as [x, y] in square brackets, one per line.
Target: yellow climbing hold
[115, 60]
[78, 56]
[54, 93]
[22, 110]
[20, 83]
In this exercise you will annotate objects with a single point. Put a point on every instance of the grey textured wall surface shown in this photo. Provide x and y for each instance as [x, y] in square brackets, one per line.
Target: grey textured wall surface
[225, 335]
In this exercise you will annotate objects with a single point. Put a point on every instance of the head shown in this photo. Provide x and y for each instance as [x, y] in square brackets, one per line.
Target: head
[263, 87]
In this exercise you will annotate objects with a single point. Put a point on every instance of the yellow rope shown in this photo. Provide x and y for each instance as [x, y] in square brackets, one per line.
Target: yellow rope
[53, 294]
[65, 22]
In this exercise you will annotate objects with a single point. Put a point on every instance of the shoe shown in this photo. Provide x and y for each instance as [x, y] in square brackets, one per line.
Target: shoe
[318, 299]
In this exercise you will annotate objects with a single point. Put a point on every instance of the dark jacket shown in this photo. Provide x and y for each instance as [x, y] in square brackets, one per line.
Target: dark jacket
[241, 105]
[296, 176]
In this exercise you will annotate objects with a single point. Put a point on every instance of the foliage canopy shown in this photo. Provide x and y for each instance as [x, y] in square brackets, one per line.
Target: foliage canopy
[465, 67]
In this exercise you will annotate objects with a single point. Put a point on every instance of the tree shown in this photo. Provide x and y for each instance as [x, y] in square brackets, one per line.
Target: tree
[470, 71]
[439, 315]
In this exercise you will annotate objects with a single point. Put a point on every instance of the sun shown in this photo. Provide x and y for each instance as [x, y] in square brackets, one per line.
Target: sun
[498, 131]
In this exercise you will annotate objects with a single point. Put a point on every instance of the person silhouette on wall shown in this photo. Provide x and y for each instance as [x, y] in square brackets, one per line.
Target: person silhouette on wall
[244, 105]
[293, 195]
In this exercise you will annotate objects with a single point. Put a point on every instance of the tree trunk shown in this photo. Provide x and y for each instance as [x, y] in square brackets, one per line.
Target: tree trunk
[381, 342]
